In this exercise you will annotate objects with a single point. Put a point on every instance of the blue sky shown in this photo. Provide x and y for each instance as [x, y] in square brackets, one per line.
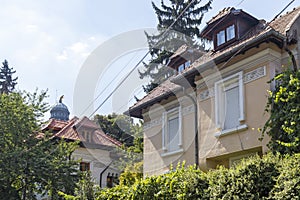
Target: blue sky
[47, 42]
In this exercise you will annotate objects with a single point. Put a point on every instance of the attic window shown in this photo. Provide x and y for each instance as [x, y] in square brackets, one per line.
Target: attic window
[221, 37]
[184, 66]
[230, 32]
[225, 35]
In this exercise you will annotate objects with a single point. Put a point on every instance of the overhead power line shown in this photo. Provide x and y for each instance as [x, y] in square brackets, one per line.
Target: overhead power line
[141, 60]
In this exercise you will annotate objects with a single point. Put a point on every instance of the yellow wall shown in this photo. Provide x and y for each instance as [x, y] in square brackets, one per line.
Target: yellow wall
[214, 150]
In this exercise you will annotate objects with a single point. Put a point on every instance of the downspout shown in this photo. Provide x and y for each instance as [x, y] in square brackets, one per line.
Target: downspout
[100, 183]
[194, 101]
[290, 54]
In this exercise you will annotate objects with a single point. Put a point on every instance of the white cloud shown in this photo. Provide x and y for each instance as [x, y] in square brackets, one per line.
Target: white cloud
[62, 56]
[78, 47]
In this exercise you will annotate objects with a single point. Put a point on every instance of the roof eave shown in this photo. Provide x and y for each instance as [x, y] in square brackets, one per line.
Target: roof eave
[137, 111]
[180, 79]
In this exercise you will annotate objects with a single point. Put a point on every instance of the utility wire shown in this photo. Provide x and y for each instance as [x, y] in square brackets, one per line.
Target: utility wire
[109, 83]
[135, 67]
[149, 52]
[244, 45]
[284, 9]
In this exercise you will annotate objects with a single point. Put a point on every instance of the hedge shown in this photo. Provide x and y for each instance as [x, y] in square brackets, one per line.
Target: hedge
[270, 177]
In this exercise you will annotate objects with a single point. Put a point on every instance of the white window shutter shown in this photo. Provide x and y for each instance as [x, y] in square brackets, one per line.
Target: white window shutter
[180, 126]
[164, 130]
[241, 97]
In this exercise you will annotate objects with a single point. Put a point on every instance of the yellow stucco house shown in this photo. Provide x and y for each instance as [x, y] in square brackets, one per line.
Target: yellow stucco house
[210, 112]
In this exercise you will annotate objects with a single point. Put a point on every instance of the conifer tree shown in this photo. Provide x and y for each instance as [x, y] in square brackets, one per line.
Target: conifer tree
[186, 16]
[7, 82]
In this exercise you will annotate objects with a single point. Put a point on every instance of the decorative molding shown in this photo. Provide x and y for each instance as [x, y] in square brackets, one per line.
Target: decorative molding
[255, 74]
[206, 94]
[187, 110]
[158, 121]
[152, 123]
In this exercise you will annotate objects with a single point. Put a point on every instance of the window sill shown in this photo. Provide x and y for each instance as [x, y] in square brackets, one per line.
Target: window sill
[172, 153]
[232, 130]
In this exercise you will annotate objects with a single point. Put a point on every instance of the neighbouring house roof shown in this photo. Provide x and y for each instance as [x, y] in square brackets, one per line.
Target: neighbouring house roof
[275, 31]
[54, 124]
[73, 129]
[87, 123]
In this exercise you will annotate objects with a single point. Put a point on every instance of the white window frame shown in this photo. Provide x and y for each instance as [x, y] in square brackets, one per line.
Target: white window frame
[219, 87]
[165, 134]
[229, 30]
[221, 37]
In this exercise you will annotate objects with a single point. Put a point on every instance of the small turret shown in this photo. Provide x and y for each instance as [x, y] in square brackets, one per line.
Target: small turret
[60, 111]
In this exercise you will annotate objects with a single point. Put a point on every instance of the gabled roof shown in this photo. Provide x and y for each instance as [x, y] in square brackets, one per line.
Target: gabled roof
[72, 130]
[54, 124]
[222, 17]
[276, 32]
[86, 123]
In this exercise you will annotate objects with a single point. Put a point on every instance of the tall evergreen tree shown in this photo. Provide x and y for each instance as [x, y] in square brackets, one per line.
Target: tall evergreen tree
[7, 82]
[186, 16]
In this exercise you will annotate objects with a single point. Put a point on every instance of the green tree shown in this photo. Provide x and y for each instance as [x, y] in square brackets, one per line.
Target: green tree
[186, 16]
[117, 126]
[284, 109]
[7, 82]
[86, 189]
[130, 155]
[30, 162]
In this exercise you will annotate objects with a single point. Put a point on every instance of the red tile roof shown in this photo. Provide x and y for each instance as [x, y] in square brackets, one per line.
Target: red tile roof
[87, 123]
[75, 129]
[54, 124]
[280, 25]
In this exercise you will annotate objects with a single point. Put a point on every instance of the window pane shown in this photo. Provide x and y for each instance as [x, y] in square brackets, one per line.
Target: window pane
[187, 64]
[84, 166]
[221, 37]
[230, 32]
[173, 134]
[181, 68]
[232, 108]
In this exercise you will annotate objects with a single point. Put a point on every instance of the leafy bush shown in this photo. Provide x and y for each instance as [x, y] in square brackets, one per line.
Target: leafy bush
[271, 177]
[182, 183]
[252, 178]
[284, 108]
[288, 182]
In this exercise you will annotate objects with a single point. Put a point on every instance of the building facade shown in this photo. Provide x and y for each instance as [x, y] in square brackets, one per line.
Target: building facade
[209, 114]
[96, 149]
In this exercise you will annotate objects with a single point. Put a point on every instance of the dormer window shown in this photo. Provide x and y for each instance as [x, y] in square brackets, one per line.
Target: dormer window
[228, 26]
[225, 35]
[183, 66]
[230, 32]
[221, 37]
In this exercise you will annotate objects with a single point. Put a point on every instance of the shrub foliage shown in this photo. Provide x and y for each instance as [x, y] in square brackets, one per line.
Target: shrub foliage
[284, 109]
[270, 177]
